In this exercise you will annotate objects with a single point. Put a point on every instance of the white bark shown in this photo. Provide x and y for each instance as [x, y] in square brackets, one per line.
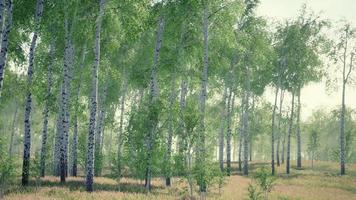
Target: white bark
[28, 100]
[93, 102]
[222, 131]
[46, 111]
[5, 36]
[74, 167]
[290, 133]
[153, 97]
[273, 129]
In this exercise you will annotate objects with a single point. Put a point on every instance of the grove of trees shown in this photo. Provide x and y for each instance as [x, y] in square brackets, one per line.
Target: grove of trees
[166, 88]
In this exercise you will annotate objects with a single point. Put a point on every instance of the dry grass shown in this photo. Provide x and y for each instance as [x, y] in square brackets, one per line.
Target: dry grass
[320, 183]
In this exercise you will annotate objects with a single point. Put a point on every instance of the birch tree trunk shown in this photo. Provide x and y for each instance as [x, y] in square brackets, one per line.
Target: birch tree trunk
[13, 129]
[201, 138]
[98, 132]
[183, 143]
[64, 137]
[222, 131]
[273, 129]
[28, 100]
[245, 121]
[229, 133]
[279, 127]
[290, 133]
[74, 167]
[58, 137]
[284, 140]
[299, 142]
[241, 128]
[252, 118]
[121, 127]
[5, 35]
[153, 100]
[46, 111]
[342, 138]
[93, 102]
[168, 154]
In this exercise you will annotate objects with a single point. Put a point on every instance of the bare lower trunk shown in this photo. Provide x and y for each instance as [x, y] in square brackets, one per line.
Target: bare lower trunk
[13, 129]
[222, 131]
[241, 128]
[183, 137]
[121, 128]
[290, 133]
[99, 131]
[93, 102]
[28, 100]
[279, 127]
[74, 167]
[284, 141]
[58, 138]
[299, 142]
[168, 155]
[46, 113]
[273, 129]
[246, 136]
[229, 133]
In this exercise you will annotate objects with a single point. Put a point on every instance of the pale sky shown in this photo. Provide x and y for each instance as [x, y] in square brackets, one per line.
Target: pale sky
[314, 95]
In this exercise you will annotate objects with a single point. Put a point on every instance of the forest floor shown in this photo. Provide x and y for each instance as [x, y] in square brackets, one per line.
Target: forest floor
[320, 183]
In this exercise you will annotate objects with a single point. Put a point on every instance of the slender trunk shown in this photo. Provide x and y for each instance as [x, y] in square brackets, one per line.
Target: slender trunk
[46, 112]
[183, 139]
[241, 128]
[75, 120]
[58, 137]
[13, 129]
[98, 132]
[273, 129]
[284, 140]
[5, 31]
[28, 100]
[93, 102]
[229, 133]
[250, 150]
[299, 142]
[168, 154]
[342, 138]
[201, 138]
[54, 145]
[64, 137]
[290, 133]
[153, 118]
[252, 118]
[246, 136]
[222, 132]
[279, 127]
[121, 128]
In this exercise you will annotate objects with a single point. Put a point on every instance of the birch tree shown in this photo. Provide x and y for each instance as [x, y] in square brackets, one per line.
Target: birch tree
[46, 110]
[93, 101]
[28, 99]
